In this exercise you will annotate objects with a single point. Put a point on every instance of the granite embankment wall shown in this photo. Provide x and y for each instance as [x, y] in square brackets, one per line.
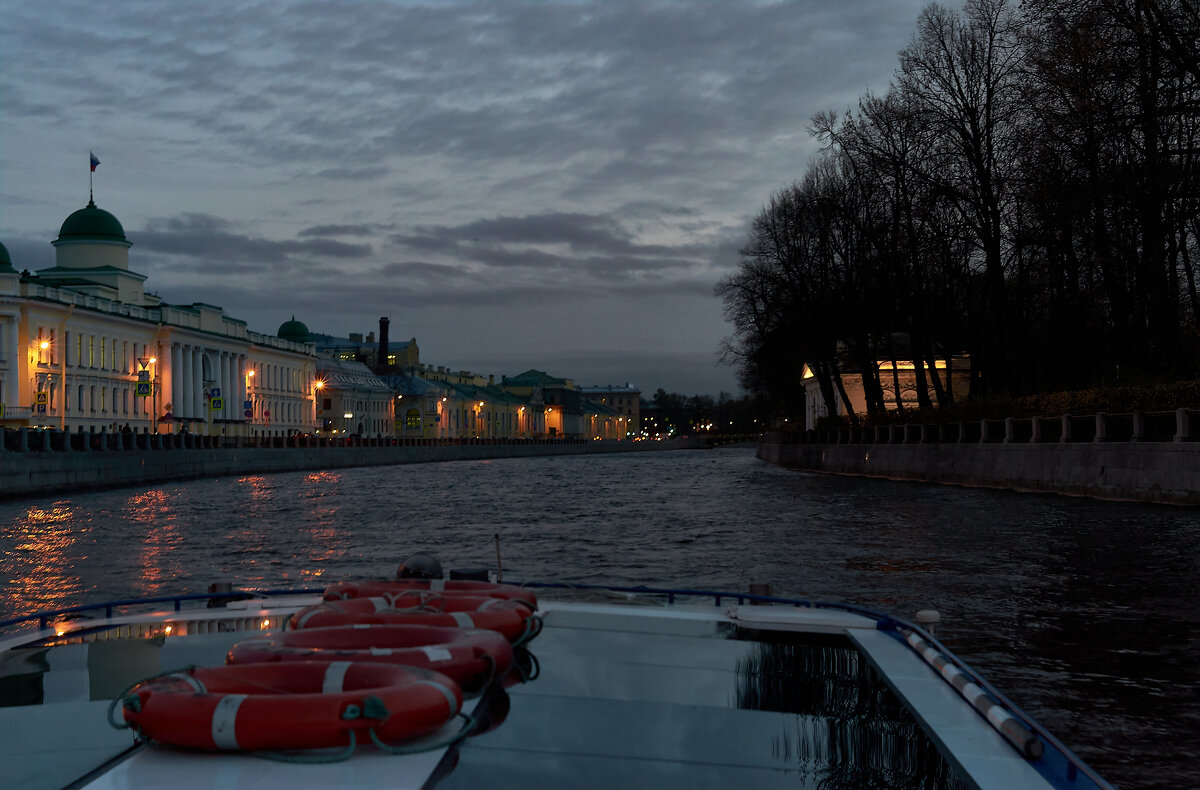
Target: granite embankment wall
[96, 462]
[1138, 458]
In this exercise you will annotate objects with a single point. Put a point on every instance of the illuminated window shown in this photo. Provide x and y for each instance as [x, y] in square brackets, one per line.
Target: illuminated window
[412, 419]
[92, 355]
[103, 358]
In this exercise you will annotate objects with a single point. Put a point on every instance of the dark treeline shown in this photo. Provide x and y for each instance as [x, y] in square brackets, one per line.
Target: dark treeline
[725, 414]
[1026, 192]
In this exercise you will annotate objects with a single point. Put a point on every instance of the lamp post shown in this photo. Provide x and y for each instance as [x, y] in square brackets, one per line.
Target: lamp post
[148, 377]
[249, 413]
[319, 385]
[208, 385]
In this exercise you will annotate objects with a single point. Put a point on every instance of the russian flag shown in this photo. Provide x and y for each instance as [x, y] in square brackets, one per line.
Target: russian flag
[95, 161]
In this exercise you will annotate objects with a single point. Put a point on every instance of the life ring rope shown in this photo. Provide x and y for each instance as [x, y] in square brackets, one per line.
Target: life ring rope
[533, 627]
[126, 699]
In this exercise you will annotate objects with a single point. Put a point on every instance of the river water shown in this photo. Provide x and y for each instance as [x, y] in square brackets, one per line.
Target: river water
[1084, 613]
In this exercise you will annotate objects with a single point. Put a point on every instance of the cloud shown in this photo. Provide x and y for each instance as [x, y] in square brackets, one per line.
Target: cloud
[589, 247]
[560, 165]
[209, 239]
[336, 230]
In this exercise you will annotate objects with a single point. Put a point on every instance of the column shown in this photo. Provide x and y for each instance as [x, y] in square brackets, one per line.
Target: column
[11, 394]
[233, 400]
[197, 388]
[241, 385]
[226, 384]
[176, 379]
[187, 402]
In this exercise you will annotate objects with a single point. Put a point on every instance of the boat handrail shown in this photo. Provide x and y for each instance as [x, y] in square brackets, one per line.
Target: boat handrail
[44, 617]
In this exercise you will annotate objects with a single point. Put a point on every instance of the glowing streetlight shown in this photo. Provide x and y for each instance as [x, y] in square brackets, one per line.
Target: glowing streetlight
[145, 376]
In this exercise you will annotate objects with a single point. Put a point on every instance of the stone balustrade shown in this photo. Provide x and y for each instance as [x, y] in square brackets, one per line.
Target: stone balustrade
[1164, 426]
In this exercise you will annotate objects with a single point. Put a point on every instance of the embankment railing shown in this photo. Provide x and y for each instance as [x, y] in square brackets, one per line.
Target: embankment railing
[54, 441]
[1180, 425]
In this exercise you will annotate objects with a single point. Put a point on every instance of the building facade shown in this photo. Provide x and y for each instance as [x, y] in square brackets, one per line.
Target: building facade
[625, 400]
[899, 382]
[83, 347]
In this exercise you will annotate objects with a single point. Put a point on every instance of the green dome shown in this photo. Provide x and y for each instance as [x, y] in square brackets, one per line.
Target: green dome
[91, 223]
[293, 330]
[6, 266]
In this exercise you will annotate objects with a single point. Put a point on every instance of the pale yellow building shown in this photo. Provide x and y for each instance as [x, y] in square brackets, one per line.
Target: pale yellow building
[83, 347]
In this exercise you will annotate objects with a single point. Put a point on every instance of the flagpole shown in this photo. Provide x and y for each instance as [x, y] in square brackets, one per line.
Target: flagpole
[91, 170]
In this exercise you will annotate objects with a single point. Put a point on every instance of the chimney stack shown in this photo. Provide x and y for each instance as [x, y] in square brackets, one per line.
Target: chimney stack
[383, 341]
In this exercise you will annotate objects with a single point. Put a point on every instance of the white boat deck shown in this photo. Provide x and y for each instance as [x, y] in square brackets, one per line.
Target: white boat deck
[633, 696]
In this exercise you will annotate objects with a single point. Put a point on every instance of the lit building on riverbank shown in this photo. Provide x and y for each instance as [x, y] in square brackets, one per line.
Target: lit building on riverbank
[84, 347]
[898, 379]
[624, 400]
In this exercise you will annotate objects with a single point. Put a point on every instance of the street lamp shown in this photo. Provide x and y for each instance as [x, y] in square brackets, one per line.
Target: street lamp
[43, 382]
[248, 413]
[208, 410]
[145, 376]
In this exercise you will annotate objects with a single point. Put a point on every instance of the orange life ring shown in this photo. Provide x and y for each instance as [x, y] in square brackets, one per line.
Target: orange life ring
[471, 657]
[513, 619]
[301, 705]
[367, 589]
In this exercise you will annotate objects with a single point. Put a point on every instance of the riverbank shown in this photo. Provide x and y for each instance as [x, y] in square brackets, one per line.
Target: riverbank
[1158, 472]
[29, 472]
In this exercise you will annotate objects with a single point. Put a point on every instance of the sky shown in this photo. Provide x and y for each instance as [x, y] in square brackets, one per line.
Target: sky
[549, 185]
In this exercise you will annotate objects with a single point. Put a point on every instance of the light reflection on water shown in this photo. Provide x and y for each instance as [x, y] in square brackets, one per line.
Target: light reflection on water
[40, 554]
[1084, 613]
[149, 513]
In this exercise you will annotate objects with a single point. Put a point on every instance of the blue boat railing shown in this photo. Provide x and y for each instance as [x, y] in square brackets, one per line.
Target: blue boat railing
[1058, 762]
[111, 608]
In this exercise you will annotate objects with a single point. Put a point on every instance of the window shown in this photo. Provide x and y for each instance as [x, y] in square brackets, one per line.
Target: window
[92, 356]
[103, 358]
[412, 419]
[79, 403]
[79, 351]
[103, 399]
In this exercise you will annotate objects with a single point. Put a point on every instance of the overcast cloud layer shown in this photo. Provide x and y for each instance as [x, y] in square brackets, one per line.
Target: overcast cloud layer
[547, 185]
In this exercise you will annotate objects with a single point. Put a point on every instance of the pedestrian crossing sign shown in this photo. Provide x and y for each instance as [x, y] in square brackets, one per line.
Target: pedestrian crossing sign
[218, 404]
[144, 388]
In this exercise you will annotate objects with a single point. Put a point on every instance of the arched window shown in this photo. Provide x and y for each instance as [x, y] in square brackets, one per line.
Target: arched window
[412, 419]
